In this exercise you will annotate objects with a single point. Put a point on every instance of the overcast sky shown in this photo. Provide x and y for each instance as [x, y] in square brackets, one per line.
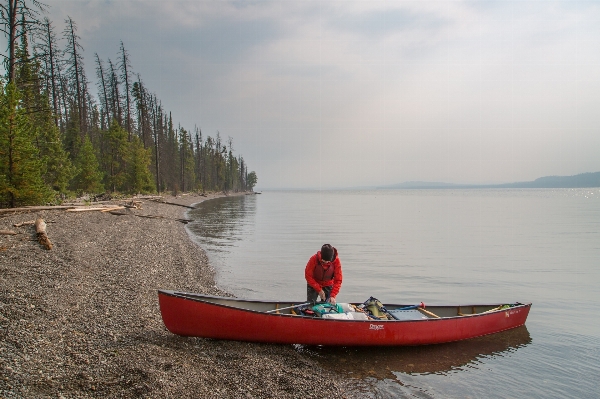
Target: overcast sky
[349, 93]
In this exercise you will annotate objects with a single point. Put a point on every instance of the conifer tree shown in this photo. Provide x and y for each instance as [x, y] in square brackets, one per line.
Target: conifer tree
[198, 158]
[251, 180]
[54, 121]
[47, 50]
[55, 165]
[115, 157]
[21, 180]
[139, 176]
[242, 173]
[89, 177]
[17, 18]
[102, 89]
[113, 80]
[72, 136]
[158, 139]
[75, 71]
[173, 173]
[125, 67]
[58, 169]
[186, 150]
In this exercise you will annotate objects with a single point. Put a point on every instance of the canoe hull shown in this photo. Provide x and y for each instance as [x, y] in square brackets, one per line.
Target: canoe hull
[193, 316]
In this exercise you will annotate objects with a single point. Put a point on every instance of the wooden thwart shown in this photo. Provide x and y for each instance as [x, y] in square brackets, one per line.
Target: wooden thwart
[473, 311]
[427, 312]
[466, 314]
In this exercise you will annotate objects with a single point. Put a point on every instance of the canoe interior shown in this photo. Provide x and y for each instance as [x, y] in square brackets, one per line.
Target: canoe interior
[285, 308]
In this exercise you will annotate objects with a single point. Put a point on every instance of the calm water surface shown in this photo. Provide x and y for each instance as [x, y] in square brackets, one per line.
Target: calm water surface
[435, 246]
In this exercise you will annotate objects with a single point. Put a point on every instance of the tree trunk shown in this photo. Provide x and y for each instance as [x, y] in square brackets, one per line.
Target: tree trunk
[12, 38]
[52, 74]
[127, 102]
[103, 82]
[77, 77]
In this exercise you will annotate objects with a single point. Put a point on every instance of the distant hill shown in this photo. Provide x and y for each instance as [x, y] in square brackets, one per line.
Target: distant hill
[425, 184]
[582, 180]
[577, 181]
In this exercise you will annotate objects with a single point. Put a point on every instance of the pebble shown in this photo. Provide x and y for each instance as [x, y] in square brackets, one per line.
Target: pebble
[82, 320]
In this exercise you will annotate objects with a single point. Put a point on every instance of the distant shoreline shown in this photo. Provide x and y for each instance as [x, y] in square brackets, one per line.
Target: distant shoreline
[582, 180]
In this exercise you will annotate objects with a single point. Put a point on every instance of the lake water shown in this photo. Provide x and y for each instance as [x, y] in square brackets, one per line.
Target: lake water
[432, 246]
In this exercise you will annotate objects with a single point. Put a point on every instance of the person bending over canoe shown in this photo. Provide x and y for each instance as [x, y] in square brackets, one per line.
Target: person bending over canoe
[323, 275]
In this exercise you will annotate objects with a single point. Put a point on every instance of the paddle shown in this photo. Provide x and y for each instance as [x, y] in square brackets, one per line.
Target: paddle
[289, 307]
[421, 305]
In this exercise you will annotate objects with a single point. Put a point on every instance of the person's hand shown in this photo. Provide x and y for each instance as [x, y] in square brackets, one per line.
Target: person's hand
[331, 300]
[322, 295]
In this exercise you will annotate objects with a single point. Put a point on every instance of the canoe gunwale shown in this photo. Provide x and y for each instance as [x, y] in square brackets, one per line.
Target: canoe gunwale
[206, 299]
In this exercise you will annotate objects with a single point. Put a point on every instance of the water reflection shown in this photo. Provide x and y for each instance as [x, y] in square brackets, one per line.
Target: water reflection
[382, 362]
[216, 222]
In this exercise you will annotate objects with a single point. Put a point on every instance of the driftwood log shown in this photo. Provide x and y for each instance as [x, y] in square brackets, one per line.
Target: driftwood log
[35, 208]
[173, 203]
[8, 232]
[27, 223]
[101, 209]
[40, 229]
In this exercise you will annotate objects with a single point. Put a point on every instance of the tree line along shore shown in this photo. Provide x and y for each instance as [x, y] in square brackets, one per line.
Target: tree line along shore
[57, 140]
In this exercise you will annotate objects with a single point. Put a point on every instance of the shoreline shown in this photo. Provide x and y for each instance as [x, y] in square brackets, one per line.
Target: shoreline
[82, 320]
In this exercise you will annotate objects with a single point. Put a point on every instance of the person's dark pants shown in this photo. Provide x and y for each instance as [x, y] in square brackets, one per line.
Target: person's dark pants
[313, 296]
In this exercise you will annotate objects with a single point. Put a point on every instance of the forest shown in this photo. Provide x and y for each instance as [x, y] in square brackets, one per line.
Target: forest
[58, 140]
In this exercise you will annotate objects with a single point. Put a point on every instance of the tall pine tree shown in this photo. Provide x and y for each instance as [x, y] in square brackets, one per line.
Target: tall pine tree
[139, 178]
[21, 168]
[89, 177]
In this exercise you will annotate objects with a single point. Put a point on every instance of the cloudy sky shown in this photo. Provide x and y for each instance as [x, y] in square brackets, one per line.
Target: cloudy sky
[349, 93]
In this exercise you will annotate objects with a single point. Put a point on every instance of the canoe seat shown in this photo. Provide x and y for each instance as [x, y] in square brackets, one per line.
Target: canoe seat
[411, 314]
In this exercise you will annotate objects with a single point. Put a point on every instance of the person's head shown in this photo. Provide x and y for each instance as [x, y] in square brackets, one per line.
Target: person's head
[327, 253]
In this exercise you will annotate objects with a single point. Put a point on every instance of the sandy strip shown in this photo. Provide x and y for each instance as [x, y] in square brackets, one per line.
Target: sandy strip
[82, 320]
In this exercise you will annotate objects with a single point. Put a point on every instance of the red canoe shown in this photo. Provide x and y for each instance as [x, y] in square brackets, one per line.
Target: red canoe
[274, 322]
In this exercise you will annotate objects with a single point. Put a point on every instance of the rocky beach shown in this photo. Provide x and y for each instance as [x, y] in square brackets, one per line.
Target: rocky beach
[82, 320]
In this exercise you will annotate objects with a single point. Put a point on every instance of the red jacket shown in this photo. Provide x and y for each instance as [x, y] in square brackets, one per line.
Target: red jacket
[315, 271]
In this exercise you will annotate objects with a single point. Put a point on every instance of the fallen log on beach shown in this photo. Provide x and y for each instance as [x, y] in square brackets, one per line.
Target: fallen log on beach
[27, 223]
[149, 197]
[172, 203]
[8, 232]
[40, 229]
[36, 208]
[101, 209]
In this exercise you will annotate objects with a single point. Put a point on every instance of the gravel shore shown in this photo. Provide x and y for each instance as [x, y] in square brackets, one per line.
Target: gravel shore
[82, 320]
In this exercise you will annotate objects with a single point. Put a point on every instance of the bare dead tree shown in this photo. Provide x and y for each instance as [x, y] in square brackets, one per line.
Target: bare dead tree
[75, 69]
[102, 87]
[17, 18]
[47, 50]
[125, 67]
[115, 94]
